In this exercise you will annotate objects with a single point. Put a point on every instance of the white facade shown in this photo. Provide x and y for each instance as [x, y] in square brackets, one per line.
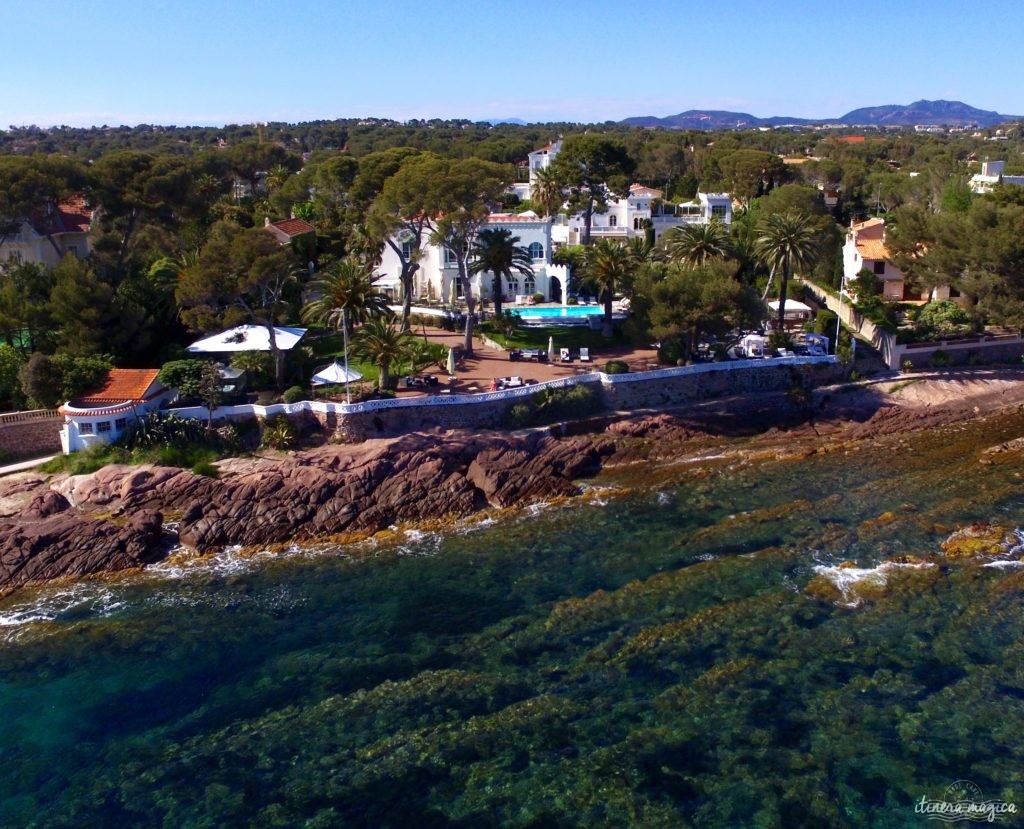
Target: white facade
[865, 248]
[87, 425]
[629, 217]
[541, 159]
[992, 174]
[436, 279]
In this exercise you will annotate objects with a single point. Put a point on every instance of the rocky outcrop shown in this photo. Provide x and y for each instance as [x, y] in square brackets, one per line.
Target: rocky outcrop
[414, 479]
[325, 492]
[50, 541]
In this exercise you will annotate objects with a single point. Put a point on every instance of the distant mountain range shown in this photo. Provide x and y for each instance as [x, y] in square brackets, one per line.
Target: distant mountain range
[946, 113]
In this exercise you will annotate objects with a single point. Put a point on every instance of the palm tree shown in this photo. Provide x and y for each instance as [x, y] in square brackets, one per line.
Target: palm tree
[546, 191]
[608, 262]
[345, 293]
[786, 241]
[382, 343]
[497, 250]
[696, 244]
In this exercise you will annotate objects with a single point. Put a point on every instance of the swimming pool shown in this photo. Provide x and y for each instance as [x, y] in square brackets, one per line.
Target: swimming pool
[555, 312]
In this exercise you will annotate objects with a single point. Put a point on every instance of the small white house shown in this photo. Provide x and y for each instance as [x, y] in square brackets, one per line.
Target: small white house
[103, 414]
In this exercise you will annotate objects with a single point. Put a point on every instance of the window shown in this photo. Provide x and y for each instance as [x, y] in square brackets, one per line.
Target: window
[638, 222]
[718, 211]
[613, 220]
[103, 426]
[85, 428]
[450, 259]
[120, 423]
[407, 251]
[880, 267]
[536, 251]
[529, 286]
[513, 286]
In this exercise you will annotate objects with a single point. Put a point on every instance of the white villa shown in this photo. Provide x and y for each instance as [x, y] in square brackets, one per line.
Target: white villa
[992, 174]
[630, 216]
[46, 239]
[103, 414]
[437, 275]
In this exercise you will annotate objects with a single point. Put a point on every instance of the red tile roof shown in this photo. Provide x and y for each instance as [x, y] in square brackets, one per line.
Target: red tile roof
[121, 384]
[75, 215]
[641, 190]
[508, 218]
[293, 227]
[69, 216]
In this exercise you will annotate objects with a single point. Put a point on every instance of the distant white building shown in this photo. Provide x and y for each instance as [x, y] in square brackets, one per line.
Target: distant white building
[992, 174]
[630, 217]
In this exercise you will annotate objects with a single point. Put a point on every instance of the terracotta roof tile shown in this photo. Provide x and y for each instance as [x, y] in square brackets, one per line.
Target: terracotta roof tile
[641, 190]
[872, 249]
[294, 227]
[867, 224]
[121, 384]
[75, 216]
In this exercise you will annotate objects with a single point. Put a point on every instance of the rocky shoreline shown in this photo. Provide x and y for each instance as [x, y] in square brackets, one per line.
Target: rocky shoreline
[54, 527]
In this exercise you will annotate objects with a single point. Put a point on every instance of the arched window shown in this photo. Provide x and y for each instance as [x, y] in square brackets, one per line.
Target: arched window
[613, 220]
[513, 286]
[537, 251]
[529, 286]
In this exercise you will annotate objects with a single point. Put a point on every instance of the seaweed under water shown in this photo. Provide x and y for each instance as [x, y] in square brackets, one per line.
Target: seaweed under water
[768, 643]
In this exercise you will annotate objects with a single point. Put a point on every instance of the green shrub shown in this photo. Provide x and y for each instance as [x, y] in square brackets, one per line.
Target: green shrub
[294, 394]
[278, 433]
[538, 298]
[672, 351]
[520, 415]
[937, 320]
[616, 367]
[207, 469]
[554, 404]
[941, 359]
[908, 366]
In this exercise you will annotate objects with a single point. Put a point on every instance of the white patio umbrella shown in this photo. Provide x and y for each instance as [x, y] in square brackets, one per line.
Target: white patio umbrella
[335, 374]
[451, 362]
[551, 348]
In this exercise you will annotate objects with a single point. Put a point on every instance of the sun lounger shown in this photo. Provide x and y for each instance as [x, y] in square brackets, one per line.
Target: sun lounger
[565, 356]
[584, 355]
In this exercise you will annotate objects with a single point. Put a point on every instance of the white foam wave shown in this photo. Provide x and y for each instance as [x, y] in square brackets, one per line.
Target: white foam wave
[64, 604]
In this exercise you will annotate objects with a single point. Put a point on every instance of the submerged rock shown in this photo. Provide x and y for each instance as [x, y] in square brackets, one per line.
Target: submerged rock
[980, 539]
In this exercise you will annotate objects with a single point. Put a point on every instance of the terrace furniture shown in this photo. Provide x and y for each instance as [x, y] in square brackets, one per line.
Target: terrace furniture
[564, 355]
[584, 355]
[514, 355]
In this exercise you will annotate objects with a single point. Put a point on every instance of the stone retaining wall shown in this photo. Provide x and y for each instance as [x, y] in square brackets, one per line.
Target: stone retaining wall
[31, 434]
[612, 392]
[651, 389]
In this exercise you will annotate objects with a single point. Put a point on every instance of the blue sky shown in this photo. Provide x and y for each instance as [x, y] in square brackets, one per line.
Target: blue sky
[225, 61]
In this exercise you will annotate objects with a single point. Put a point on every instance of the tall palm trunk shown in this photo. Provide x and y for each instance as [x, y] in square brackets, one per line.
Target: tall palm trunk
[783, 288]
[496, 289]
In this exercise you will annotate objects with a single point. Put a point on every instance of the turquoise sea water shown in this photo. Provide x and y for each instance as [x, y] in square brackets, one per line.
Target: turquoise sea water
[670, 650]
